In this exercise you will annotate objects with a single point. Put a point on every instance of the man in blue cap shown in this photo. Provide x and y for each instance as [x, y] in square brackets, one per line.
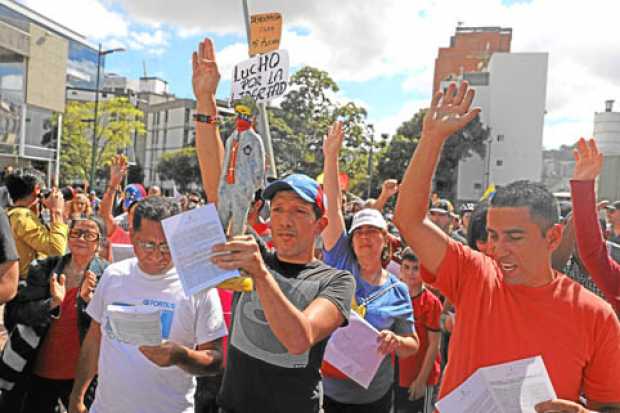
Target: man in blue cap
[279, 330]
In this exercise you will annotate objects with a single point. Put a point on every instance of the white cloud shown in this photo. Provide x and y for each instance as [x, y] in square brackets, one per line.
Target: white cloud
[389, 124]
[361, 40]
[87, 17]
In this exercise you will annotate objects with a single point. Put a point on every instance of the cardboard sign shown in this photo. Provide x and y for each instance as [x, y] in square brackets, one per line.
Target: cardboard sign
[264, 77]
[265, 33]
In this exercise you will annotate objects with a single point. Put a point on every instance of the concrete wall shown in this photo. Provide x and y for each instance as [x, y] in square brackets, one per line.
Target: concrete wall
[513, 107]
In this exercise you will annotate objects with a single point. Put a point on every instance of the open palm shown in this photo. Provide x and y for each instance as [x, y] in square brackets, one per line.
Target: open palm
[205, 74]
[588, 160]
[450, 112]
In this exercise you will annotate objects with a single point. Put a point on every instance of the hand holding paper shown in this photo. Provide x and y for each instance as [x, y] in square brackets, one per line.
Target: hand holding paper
[137, 325]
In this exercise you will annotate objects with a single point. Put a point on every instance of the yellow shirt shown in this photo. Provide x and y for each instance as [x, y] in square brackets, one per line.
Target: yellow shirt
[33, 240]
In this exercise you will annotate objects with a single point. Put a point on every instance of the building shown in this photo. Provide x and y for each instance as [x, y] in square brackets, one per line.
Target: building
[39, 59]
[470, 50]
[511, 92]
[169, 126]
[607, 134]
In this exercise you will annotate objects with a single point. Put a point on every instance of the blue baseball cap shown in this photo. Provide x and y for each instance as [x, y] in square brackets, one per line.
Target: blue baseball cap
[307, 188]
[133, 193]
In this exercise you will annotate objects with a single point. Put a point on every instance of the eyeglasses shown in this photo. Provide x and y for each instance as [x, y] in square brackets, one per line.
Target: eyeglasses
[88, 236]
[150, 246]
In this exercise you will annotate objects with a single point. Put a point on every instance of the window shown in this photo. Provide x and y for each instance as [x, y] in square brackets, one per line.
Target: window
[499, 162]
[477, 186]
[500, 138]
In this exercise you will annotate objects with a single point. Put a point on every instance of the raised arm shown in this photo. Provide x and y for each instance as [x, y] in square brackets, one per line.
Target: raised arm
[331, 150]
[388, 190]
[209, 147]
[447, 115]
[590, 243]
[118, 170]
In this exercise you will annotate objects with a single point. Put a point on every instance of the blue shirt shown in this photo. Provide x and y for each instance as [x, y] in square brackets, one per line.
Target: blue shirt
[391, 311]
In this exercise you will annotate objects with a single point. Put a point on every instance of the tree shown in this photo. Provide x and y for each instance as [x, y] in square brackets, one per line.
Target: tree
[394, 160]
[117, 122]
[181, 166]
[306, 112]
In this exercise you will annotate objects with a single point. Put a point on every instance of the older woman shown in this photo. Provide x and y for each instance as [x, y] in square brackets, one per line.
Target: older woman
[49, 312]
[385, 299]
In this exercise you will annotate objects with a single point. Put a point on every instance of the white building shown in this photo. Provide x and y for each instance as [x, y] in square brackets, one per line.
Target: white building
[169, 126]
[607, 134]
[512, 94]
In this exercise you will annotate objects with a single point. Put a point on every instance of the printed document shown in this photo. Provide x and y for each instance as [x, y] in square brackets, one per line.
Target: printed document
[138, 325]
[512, 387]
[191, 236]
[354, 350]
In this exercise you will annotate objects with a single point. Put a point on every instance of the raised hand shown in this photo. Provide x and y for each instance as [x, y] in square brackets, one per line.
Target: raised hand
[87, 289]
[389, 188]
[332, 142]
[450, 112]
[118, 170]
[588, 160]
[57, 289]
[205, 74]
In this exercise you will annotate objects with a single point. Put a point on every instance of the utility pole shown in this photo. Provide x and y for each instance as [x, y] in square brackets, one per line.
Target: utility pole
[263, 120]
[93, 156]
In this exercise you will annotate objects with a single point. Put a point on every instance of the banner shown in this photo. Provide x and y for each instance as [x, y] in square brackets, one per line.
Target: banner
[265, 33]
[264, 77]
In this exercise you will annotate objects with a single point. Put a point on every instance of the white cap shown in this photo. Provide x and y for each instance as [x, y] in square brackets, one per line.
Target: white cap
[370, 217]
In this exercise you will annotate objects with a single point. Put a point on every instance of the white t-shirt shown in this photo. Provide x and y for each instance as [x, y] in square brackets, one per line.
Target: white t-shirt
[128, 381]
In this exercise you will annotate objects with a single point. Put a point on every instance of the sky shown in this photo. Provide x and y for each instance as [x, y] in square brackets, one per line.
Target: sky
[381, 53]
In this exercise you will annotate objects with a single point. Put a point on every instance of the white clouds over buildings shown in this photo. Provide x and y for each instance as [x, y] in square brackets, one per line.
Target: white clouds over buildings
[361, 40]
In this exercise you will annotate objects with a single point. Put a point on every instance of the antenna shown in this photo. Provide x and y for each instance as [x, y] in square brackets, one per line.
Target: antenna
[144, 67]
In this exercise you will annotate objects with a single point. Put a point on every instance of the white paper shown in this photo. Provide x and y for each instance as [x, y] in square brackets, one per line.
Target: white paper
[137, 325]
[354, 350]
[263, 77]
[512, 387]
[191, 236]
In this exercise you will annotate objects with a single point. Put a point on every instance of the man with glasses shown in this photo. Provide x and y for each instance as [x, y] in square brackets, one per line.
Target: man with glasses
[149, 378]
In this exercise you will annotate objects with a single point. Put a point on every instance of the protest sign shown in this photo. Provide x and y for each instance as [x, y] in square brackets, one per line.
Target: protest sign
[265, 33]
[264, 77]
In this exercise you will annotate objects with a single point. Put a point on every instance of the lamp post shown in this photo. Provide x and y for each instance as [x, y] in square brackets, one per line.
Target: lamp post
[93, 157]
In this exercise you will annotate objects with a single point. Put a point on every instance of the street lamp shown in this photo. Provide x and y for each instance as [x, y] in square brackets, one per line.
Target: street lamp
[93, 157]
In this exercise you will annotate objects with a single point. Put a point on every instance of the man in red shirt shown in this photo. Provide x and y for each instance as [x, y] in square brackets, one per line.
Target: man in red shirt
[419, 374]
[512, 305]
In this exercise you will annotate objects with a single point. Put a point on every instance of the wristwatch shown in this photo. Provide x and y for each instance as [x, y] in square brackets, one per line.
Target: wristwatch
[208, 119]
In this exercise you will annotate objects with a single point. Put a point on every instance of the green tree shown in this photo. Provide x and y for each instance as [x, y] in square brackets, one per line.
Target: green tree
[118, 121]
[394, 160]
[306, 113]
[181, 166]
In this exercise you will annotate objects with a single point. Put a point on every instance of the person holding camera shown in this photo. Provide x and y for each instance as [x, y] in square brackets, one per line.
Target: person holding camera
[32, 238]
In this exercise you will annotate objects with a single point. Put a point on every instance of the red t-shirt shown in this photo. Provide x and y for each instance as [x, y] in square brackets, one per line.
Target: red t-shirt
[119, 236]
[58, 355]
[576, 333]
[427, 313]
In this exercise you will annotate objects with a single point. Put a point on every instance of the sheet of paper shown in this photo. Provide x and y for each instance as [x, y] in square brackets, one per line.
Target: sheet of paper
[473, 396]
[191, 236]
[512, 387]
[353, 350]
[519, 385]
[137, 325]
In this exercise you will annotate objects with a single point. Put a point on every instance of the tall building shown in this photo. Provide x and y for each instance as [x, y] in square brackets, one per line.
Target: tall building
[470, 50]
[39, 58]
[607, 134]
[511, 93]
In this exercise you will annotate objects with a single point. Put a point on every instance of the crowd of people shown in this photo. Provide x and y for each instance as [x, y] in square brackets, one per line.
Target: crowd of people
[448, 290]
